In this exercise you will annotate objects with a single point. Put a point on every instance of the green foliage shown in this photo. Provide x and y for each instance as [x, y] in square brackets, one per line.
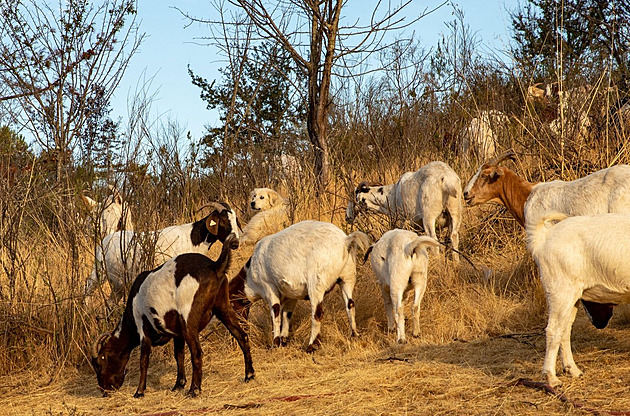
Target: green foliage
[587, 34]
[257, 107]
[60, 62]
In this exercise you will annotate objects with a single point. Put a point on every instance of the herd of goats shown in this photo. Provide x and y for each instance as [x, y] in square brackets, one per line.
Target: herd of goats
[577, 231]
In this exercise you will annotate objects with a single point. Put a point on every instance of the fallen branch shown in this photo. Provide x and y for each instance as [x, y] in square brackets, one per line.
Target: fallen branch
[562, 397]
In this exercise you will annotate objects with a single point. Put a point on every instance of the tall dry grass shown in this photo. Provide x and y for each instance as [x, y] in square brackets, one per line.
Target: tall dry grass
[492, 312]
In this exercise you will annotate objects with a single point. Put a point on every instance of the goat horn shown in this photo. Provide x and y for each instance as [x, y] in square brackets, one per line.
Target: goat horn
[215, 205]
[500, 158]
[99, 341]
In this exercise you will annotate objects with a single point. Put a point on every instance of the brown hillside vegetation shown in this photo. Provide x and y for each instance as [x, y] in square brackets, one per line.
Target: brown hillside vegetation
[562, 106]
[482, 330]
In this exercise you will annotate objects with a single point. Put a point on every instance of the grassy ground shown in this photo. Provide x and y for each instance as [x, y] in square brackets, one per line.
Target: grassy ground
[476, 342]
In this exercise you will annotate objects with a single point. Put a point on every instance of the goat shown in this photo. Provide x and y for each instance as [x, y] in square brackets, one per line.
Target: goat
[120, 253]
[113, 213]
[570, 114]
[303, 261]
[607, 190]
[604, 191]
[430, 197]
[176, 300]
[400, 262]
[480, 137]
[271, 215]
[582, 257]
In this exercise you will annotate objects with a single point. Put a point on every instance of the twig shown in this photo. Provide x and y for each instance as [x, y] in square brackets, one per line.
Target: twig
[562, 397]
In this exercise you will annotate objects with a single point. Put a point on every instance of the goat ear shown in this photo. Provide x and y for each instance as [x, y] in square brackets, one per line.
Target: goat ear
[89, 202]
[212, 223]
[495, 174]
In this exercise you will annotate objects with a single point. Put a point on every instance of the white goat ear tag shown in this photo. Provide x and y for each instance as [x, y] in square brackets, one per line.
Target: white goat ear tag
[212, 223]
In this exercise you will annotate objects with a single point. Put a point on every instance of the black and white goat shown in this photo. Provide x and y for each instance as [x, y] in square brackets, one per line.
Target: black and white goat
[120, 253]
[430, 197]
[174, 301]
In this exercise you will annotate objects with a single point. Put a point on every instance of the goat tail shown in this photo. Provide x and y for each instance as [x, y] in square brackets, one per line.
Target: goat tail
[420, 243]
[357, 240]
[452, 185]
[537, 229]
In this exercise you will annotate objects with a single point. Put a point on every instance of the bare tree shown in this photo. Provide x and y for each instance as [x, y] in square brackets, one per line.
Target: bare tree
[313, 33]
[53, 56]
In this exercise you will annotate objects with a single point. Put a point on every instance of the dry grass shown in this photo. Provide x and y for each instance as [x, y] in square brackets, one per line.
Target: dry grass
[482, 329]
[479, 334]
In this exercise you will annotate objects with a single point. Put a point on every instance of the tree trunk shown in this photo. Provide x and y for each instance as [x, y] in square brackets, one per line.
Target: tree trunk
[316, 128]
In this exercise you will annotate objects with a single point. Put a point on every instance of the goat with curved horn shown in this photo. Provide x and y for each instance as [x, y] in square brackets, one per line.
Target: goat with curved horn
[99, 343]
[503, 156]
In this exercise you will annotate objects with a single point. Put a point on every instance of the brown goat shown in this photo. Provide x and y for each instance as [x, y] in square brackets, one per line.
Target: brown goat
[176, 300]
[499, 184]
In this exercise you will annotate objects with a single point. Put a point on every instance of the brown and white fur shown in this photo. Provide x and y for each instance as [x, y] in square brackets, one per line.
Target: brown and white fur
[604, 191]
[120, 253]
[174, 301]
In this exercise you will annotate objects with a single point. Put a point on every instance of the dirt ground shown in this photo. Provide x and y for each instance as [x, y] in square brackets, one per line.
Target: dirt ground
[371, 375]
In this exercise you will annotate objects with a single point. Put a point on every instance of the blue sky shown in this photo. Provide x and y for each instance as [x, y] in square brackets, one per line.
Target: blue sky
[171, 45]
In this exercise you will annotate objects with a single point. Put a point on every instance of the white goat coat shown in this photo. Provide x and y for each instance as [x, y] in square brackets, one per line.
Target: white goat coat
[400, 262]
[306, 259]
[607, 190]
[480, 135]
[583, 257]
[422, 197]
[121, 253]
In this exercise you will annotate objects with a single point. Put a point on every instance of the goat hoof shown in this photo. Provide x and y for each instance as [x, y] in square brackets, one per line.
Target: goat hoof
[249, 377]
[402, 341]
[137, 395]
[552, 380]
[178, 386]
[573, 371]
[355, 334]
[284, 341]
[276, 342]
[194, 392]
[311, 349]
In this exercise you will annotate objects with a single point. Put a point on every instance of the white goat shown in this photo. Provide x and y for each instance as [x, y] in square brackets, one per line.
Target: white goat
[571, 111]
[272, 215]
[113, 213]
[304, 261]
[121, 253]
[429, 197]
[584, 257]
[480, 137]
[400, 263]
